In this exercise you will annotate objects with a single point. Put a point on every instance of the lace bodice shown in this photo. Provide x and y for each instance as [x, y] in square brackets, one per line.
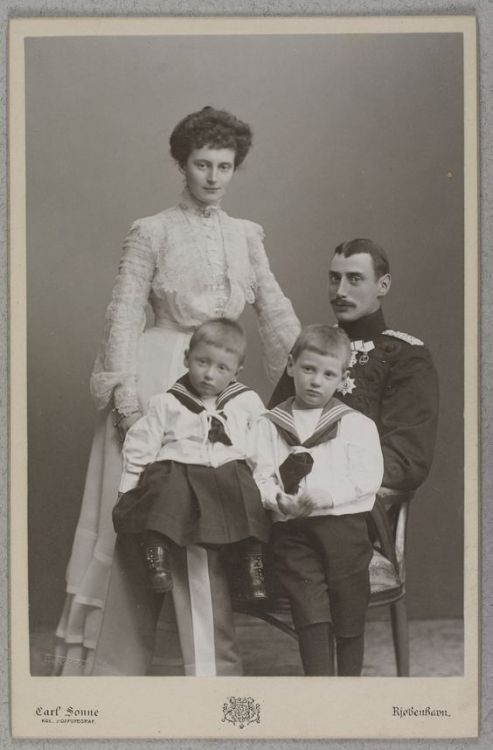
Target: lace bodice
[191, 264]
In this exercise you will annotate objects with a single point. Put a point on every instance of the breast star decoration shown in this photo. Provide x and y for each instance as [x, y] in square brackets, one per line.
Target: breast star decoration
[359, 355]
[347, 386]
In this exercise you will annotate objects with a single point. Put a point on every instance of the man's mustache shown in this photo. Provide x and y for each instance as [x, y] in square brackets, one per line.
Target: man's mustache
[341, 300]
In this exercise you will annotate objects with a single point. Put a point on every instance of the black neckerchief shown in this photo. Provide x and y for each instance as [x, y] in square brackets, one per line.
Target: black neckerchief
[299, 464]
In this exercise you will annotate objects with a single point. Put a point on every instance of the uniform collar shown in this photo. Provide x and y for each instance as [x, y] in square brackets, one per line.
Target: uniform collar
[189, 203]
[365, 328]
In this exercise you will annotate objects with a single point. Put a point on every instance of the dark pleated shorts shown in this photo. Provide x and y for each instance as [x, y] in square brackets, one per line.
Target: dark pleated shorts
[322, 563]
[193, 504]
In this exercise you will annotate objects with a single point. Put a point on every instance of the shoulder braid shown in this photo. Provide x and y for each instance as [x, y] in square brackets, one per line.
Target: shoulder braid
[412, 340]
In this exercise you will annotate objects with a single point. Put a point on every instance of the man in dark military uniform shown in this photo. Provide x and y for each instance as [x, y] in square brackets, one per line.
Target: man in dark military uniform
[391, 379]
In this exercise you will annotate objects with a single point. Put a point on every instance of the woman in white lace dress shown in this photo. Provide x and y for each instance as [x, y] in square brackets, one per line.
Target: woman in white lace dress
[191, 262]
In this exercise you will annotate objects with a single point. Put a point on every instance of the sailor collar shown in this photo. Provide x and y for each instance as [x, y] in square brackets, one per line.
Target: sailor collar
[326, 428]
[186, 394]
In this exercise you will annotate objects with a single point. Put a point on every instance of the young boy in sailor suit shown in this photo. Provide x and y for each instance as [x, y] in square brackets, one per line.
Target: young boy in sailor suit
[318, 465]
[185, 478]
[391, 378]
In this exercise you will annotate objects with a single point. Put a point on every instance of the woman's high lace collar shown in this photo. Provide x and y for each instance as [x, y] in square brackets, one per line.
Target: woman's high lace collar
[189, 203]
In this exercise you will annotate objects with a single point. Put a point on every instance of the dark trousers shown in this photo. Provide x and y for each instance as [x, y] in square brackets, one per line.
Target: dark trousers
[322, 563]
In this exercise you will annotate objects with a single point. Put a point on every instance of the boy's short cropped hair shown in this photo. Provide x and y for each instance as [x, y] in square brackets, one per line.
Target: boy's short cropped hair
[378, 255]
[323, 339]
[221, 332]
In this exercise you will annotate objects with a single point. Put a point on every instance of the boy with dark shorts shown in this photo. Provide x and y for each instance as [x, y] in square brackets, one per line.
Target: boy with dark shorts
[318, 465]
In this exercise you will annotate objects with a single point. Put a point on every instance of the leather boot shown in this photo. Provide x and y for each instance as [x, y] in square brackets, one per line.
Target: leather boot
[157, 564]
[252, 576]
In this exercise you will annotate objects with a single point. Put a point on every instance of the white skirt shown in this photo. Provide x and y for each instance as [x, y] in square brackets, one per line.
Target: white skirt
[160, 362]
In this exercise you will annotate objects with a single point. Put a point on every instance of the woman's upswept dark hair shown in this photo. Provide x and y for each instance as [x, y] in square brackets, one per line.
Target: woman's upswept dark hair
[210, 127]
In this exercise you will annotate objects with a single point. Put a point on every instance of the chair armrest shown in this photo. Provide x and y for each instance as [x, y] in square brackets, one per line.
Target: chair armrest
[392, 497]
[384, 531]
[390, 536]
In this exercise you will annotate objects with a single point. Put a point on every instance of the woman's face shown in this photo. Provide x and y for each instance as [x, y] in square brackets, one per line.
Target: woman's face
[208, 172]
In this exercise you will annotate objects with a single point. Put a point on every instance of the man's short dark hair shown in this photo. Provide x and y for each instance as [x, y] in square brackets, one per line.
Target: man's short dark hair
[378, 255]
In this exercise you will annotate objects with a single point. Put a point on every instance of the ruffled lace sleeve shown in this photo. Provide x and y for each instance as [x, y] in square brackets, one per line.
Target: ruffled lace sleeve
[277, 321]
[115, 368]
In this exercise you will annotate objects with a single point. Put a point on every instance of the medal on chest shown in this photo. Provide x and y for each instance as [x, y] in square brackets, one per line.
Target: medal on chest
[346, 386]
[359, 352]
[360, 356]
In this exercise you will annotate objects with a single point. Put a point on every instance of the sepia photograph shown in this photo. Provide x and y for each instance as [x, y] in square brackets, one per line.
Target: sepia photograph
[244, 372]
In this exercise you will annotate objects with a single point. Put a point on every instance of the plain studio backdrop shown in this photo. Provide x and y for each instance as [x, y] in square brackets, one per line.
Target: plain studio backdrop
[354, 136]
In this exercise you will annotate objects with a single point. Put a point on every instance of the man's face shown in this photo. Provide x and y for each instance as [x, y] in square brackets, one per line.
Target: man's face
[354, 292]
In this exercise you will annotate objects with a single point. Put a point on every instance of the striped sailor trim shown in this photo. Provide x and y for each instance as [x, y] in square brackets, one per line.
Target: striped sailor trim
[187, 396]
[327, 424]
[231, 391]
[282, 416]
[326, 429]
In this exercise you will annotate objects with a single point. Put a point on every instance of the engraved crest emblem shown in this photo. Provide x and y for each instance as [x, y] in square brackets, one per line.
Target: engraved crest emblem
[241, 711]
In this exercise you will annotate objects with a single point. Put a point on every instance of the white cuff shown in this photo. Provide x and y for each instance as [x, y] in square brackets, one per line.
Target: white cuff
[128, 482]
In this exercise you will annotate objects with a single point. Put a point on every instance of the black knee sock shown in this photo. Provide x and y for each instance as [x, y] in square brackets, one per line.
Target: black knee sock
[350, 653]
[317, 649]
[250, 546]
[149, 537]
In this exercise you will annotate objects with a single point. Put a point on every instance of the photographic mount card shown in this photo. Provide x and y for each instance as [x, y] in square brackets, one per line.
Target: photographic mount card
[337, 154]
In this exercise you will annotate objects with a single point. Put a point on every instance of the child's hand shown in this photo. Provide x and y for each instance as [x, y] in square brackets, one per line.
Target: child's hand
[294, 506]
[304, 505]
[286, 504]
[319, 498]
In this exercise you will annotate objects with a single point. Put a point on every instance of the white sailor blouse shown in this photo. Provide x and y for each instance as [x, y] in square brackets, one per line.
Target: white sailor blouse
[347, 468]
[394, 382]
[172, 431]
[191, 264]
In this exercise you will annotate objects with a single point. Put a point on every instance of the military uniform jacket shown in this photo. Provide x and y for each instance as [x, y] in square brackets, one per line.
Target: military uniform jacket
[393, 381]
